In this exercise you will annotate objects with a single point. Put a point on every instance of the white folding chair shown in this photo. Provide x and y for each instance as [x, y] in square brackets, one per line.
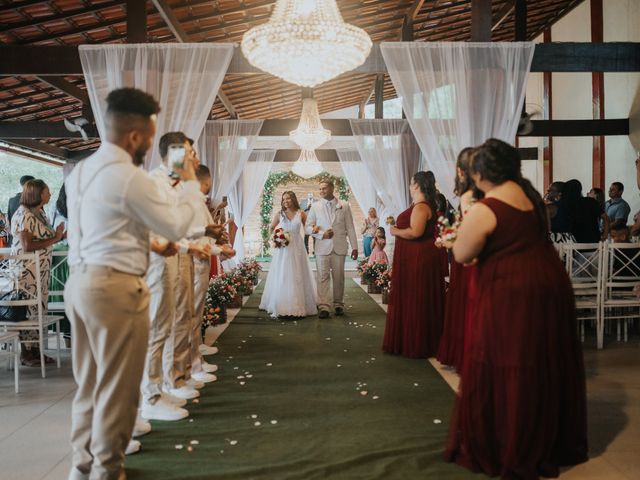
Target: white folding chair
[56, 274]
[622, 274]
[584, 262]
[11, 267]
[11, 342]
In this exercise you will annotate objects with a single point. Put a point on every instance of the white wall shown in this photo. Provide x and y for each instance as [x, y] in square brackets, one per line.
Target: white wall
[621, 20]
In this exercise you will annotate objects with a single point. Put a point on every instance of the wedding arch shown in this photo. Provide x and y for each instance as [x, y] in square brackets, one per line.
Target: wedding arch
[282, 178]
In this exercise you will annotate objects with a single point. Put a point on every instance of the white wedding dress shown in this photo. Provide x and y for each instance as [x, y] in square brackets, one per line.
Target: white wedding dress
[290, 289]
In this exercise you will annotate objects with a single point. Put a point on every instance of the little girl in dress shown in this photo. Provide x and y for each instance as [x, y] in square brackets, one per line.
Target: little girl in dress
[379, 242]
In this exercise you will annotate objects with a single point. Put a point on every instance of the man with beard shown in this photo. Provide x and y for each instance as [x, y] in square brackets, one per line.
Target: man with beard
[112, 206]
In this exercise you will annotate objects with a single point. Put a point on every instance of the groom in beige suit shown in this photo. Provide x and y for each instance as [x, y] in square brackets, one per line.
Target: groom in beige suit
[330, 222]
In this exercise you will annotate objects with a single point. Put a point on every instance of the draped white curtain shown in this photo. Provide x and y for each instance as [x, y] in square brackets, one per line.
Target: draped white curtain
[245, 193]
[184, 79]
[388, 151]
[225, 146]
[457, 94]
[360, 184]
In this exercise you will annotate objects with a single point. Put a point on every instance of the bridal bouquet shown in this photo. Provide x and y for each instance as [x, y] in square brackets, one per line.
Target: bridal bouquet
[281, 238]
[447, 231]
[390, 220]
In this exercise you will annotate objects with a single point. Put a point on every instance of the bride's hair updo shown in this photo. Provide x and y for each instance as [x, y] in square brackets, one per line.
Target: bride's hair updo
[498, 162]
[294, 200]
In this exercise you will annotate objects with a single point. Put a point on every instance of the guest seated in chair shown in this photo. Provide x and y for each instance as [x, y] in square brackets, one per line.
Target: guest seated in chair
[32, 231]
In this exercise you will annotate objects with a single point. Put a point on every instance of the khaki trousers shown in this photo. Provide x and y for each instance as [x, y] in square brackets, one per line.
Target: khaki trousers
[176, 352]
[201, 273]
[109, 315]
[330, 267]
[161, 277]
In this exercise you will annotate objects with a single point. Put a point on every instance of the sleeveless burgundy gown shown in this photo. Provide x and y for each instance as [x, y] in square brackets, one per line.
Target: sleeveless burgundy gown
[416, 304]
[521, 410]
[451, 349]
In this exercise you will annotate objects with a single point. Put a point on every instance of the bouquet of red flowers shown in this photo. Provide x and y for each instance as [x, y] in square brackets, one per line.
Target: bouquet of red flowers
[250, 269]
[281, 238]
[447, 231]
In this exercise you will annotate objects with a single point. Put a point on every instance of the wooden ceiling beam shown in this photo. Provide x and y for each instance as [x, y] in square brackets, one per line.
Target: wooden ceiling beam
[339, 127]
[554, 57]
[40, 147]
[165, 11]
[504, 13]
[136, 21]
[36, 21]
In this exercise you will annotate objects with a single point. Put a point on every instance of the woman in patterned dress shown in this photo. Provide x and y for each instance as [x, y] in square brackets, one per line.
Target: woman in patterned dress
[32, 232]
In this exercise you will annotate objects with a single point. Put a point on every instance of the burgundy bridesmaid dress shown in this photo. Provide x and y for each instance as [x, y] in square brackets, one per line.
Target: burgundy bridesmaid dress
[521, 410]
[416, 303]
[451, 349]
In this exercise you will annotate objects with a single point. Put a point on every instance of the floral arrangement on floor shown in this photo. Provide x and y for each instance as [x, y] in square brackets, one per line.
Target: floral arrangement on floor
[361, 266]
[447, 231]
[219, 294]
[250, 269]
[280, 238]
[383, 280]
[371, 271]
[243, 284]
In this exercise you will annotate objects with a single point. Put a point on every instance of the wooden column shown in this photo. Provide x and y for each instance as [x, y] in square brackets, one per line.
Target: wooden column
[547, 107]
[379, 96]
[598, 161]
[136, 21]
[481, 20]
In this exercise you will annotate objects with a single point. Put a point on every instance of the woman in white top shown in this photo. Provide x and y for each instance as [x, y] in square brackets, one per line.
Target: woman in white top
[290, 289]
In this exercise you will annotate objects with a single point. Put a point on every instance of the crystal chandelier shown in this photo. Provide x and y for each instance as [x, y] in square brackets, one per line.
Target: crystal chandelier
[307, 166]
[310, 135]
[306, 42]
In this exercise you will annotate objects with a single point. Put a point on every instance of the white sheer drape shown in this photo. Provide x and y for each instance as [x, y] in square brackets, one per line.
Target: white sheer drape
[225, 146]
[184, 79]
[457, 94]
[388, 151]
[358, 179]
[245, 194]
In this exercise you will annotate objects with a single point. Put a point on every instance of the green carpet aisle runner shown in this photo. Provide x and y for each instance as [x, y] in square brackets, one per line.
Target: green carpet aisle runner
[307, 399]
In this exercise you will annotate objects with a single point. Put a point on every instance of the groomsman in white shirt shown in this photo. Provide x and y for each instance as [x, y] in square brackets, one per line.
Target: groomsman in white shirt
[162, 277]
[112, 206]
[200, 370]
[177, 378]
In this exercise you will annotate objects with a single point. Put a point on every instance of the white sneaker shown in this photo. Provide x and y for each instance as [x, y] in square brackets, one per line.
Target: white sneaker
[172, 399]
[187, 392]
[195, 384]
[163, 410]
[204, 377]
[141, 427]
[133, 447]
[209, 367]
[207, 350]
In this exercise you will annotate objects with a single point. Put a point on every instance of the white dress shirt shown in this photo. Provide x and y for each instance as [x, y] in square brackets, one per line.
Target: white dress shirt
[203, 217]
[112, 205]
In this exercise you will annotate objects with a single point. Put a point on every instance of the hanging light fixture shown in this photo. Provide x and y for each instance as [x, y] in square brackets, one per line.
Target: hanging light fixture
[310, 135]
[307, 166]
[306, 42]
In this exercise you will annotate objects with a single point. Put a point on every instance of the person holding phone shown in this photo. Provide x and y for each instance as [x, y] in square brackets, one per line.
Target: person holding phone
[112, 205]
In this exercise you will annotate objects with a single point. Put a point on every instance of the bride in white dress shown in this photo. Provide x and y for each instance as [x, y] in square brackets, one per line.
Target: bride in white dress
[290, 289]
